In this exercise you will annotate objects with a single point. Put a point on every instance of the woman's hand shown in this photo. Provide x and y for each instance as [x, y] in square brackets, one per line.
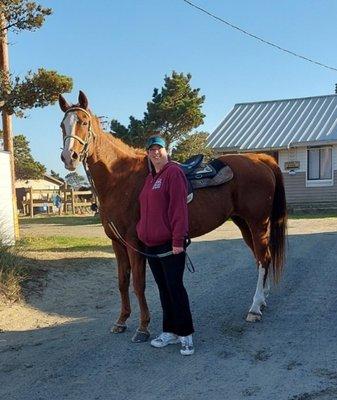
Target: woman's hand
[177, 250]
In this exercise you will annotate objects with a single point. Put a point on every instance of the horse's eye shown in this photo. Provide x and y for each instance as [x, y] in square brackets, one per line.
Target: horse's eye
[84, 123]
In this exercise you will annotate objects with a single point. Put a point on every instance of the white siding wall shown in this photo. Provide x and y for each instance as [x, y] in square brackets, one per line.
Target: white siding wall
[297, 188]
[39, 184]
[293, 154]
[7, 233]
[36, 184]
[334, 158]
[300, 154]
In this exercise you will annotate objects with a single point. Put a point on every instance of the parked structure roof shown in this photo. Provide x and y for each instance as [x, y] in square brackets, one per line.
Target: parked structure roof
[32, 182]
[278, 124]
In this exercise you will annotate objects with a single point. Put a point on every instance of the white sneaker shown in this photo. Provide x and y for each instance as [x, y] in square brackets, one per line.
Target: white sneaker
[187, 348]
[164, 339]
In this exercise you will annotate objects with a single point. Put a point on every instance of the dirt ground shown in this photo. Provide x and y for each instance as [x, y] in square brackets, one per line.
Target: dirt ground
[57, 344]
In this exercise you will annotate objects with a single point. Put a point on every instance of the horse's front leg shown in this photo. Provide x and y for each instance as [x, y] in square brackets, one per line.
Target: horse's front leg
[124, 269]
[138, 267]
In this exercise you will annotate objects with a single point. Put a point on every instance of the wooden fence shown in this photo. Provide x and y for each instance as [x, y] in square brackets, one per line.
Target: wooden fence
[37, 201]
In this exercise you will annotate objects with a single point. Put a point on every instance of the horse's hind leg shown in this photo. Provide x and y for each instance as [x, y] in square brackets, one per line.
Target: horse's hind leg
[259, 299]
[262, 287]
[260, 238]
[124, 270]
[245, 231]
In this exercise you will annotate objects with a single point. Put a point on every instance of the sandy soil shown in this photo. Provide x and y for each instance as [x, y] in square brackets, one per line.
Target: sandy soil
[57, 344]
[27, 316]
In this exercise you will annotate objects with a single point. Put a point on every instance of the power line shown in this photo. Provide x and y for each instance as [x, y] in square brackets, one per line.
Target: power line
[259, 38]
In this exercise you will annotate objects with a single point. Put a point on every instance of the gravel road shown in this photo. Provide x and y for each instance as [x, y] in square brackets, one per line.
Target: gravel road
[67, 352]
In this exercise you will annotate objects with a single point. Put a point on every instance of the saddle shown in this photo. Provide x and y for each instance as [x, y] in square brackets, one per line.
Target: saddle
[200, 175]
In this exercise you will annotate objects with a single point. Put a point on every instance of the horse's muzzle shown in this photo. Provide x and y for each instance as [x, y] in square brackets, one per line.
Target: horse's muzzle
[70, 159]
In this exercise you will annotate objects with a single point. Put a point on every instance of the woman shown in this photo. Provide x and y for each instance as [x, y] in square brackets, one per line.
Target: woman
[163, 228]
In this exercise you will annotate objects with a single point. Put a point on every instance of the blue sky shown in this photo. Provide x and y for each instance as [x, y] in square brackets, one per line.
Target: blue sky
[118, 51]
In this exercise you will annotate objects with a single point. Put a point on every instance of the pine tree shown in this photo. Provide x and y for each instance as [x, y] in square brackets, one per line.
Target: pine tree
[56, 175]
[191, 145]
[75, 180]
[25, 165]
[174, 111]
[36, 89]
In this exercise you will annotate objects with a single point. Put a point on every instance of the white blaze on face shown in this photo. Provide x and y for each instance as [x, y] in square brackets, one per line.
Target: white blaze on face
[69, 124]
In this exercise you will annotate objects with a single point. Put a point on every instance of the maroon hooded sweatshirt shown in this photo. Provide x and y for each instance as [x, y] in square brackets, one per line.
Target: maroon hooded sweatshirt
[163, 207]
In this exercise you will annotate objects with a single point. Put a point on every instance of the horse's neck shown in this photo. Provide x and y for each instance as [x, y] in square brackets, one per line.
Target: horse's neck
[107, 149]
[112, 162]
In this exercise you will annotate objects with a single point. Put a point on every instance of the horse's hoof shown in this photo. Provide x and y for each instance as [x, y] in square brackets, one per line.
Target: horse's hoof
[118, 328]
[140, 336]
[251, 317]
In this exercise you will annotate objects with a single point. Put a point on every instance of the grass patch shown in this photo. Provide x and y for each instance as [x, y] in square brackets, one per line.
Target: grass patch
[17, 270]
[313, 215]
[70, 220]
[65, 243]
[13, 273]
[64, 220]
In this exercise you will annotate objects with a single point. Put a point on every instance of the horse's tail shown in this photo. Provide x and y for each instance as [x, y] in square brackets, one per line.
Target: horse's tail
[278, 221]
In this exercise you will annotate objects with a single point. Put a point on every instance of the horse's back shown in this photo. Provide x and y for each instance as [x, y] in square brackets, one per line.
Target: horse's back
[253, 183]
[251, 166]
[247, 159]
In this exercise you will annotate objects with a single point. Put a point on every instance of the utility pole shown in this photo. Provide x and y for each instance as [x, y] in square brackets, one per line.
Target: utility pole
[6, 118]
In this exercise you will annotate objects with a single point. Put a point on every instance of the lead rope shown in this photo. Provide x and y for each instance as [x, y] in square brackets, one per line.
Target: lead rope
[189, 264]
[112, 226]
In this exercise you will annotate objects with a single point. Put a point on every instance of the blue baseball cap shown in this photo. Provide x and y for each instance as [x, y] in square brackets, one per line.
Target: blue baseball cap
[155, 140]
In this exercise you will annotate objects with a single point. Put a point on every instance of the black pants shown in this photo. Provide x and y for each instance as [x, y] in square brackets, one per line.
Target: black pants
[168, 273]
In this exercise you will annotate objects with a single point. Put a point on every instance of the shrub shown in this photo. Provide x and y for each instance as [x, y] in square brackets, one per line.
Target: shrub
[12, 273]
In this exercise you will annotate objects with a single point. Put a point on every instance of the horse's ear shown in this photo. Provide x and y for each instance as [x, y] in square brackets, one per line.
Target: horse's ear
[82, 100]
[63, 103]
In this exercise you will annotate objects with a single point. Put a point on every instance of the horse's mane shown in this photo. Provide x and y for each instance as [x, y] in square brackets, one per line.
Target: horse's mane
[122, 146]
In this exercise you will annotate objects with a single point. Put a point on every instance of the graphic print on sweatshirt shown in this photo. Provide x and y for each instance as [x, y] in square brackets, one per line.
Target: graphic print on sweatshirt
[157, 184]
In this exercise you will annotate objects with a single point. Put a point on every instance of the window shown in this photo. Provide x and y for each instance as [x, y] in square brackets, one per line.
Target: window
[319, 163]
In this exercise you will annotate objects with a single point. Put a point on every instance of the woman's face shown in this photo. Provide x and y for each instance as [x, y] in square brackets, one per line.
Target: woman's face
[158, 155]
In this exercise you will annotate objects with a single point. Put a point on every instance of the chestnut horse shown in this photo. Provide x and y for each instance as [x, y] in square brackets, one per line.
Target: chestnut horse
[254, 199]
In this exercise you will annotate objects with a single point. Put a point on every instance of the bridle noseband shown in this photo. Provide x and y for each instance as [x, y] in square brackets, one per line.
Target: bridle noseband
[83, 154]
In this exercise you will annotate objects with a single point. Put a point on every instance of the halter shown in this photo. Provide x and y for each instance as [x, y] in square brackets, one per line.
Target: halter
[90, 137]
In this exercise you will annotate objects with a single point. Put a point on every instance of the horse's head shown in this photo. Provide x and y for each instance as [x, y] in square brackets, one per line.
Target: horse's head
[77, 131]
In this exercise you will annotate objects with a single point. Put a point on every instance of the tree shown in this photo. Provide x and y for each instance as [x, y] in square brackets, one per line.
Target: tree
[56, 175]
[36, 89]
[25, 165]
[175, 111]
[134, 134]
[23, 15]
[192, 144]
[75, 180]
